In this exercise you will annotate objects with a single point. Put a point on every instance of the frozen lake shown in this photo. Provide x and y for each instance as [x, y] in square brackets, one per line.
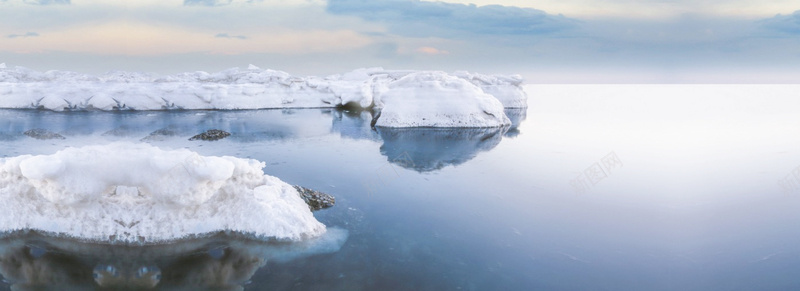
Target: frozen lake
[595, 187]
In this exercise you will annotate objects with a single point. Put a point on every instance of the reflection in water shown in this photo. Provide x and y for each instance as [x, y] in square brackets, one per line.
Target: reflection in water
[109, 276]
[354, 124]
[420, 149]
[430, 149]
[34, 262]
[155, 126]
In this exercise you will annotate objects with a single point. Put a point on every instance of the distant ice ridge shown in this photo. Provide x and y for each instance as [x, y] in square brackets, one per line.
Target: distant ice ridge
[461, 99]
[137, 193]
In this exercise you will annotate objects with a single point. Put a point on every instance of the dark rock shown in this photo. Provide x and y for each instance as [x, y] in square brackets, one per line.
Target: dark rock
[316, 200]
[43, 134]
[211, 134]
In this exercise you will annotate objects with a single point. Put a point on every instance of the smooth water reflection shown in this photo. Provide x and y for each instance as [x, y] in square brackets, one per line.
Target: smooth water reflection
[420, 149]
[31, 261]
[431, 149]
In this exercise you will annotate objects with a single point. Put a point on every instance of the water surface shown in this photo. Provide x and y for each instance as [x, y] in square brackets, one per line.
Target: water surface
[594, 188]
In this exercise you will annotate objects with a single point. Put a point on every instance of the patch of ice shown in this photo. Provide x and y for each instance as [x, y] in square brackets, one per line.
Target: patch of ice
[507, 89]
[139, 193]
[256, 88]
[435, 99]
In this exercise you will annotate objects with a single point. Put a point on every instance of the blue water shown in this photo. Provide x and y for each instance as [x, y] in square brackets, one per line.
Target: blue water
[561, 201]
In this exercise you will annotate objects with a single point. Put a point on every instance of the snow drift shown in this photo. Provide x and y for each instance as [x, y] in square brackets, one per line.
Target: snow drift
[130, 193]
[434, 99]
[255, 88]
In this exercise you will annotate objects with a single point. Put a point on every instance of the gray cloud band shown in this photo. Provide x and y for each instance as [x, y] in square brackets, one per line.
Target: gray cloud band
[225, 35]
[27, 34]
[408, 17]
[783, 23]
[47, 2]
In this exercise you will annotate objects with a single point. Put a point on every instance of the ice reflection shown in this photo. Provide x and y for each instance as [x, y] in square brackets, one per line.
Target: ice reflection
[154, 126]
[430, 149]
[354, 124]
[30, 261]
[419, 149]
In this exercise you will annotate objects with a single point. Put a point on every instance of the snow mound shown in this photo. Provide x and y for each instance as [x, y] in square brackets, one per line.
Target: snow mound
[435, 99]
[507, 89]
[137, 193]
[251, 88]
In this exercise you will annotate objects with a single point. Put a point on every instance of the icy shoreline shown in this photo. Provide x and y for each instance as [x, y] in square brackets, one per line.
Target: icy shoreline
[413, 98]
[137, 193]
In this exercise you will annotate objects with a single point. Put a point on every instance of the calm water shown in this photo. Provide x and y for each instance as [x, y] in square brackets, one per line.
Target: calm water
[593, 188]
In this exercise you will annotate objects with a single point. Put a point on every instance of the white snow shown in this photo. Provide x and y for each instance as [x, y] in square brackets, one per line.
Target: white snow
[435, 99]
[507, 89]
[256, 88]
[139, 193]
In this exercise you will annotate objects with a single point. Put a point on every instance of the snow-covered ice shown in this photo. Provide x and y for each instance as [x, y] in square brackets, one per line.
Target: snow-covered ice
[507, 89]
[435, 99]
[129, 192]
[466, 97]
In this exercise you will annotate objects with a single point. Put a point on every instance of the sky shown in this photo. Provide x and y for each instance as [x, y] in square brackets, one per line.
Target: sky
[546, 41]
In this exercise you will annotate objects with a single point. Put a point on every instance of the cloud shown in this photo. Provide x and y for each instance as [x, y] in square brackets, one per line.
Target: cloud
[431, 51]
[225, 35]
[135, 38]
[206, 2]
[439, 19]
[250, 3]
[27, 34]
[47, 2]
[783, 23]
[316, 37]
[386, 50]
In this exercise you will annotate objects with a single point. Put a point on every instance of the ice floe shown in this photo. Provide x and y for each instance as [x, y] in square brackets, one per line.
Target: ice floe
[435, 99]
[138, 193]
[461, 99]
